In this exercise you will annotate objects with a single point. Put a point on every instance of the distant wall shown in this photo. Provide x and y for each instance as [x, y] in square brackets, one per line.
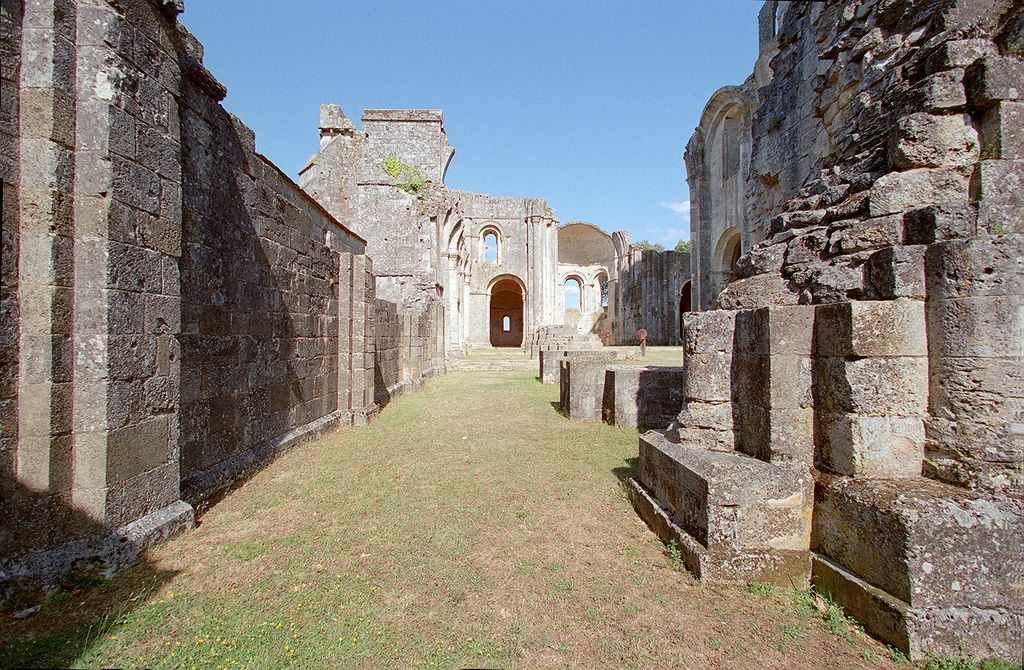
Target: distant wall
[648, 294]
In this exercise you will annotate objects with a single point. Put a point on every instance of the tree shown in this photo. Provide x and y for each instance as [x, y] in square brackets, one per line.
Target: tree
[683, 245]
[650, 246]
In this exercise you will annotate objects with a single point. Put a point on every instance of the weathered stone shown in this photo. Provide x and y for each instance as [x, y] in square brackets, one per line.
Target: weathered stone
[886, 328]
[994, 78]
[997, 187]
[1002, 131]
[896, 272]
[926, 140]
[934, 223]
[751, 511]
[899, 191]
[642, 397]
[931, 550]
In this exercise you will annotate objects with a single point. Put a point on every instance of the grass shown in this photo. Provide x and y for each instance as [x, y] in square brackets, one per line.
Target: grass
[470, 525]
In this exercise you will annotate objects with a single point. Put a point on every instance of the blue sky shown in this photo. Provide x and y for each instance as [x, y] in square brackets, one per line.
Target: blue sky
[586, 104]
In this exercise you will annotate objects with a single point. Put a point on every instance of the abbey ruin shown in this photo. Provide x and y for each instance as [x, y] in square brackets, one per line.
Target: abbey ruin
[176, 311]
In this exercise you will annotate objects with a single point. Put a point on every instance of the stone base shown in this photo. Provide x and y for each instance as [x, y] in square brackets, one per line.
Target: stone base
[781, 567]
[926, 566]
[918, 632]
[31, 577]
[751, 518]
[642, 397]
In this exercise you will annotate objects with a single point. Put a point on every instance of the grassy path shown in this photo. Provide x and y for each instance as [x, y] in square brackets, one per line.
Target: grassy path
[471, 525]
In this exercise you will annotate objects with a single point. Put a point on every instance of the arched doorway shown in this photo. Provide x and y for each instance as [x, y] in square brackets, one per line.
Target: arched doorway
[506, 318]
[727, 255]
[684, 305]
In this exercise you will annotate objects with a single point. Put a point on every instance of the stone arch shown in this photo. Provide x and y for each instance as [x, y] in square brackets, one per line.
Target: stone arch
[727, 253]
[717, 162]
[486, 231]
[506, 303]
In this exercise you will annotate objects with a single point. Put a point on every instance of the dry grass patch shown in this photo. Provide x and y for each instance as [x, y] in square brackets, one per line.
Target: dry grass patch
[471, 525]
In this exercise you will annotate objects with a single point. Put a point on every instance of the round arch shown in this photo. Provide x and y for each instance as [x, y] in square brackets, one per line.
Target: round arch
[506, 302]
[728, 251]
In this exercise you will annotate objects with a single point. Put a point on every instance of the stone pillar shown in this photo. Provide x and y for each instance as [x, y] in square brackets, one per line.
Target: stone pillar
[707, 418]
[46, 269]
[771, 384]
[871, 387]
[976, 350]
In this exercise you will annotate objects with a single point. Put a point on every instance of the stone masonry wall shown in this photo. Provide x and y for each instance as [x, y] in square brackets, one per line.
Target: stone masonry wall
[218, 314]
[10, 72]
[261, 339]
[648, 296]
[896, 225]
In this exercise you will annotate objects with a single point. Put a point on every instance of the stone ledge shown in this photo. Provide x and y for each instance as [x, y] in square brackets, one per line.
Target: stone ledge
[783, 568]
[105, 557]
[916, 631]
[925, 543]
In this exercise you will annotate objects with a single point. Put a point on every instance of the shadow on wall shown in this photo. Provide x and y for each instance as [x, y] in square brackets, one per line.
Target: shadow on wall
[387, 371]
[255, 363]
[91, 605]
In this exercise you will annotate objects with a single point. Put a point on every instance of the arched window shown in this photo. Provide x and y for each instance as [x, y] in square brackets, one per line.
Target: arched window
[506, 324]
[603, 283]
[491, 246]
[573, 293]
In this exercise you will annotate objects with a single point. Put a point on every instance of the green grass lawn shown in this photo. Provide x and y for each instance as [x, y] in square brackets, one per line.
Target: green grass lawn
[470, 525]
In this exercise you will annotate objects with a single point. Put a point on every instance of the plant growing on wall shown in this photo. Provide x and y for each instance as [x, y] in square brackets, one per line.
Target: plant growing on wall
[406, 176]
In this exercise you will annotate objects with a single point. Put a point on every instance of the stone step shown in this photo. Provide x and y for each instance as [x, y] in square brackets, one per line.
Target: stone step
[924, 542]
[751, 517]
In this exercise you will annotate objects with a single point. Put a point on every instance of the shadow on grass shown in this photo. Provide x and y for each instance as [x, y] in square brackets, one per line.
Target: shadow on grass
[627, 472]
[557, 406]
[65, 627]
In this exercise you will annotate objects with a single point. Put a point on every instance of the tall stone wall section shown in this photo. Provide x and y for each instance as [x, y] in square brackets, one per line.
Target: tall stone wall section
[175, 310]
[873, 339]
[262, 344]
[650, 285]
[10, 168]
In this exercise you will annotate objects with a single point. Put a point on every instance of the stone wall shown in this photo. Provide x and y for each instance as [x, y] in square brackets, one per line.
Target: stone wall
[652, 292]
[218, 313]
[872, 338]
[261, 344]
[10, 140]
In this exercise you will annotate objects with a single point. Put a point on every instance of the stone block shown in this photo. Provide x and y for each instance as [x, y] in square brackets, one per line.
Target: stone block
[708, 376]
[1002, 131]
[706, 332]
[582, 389]
[875, 386]
[900, 191]
[757, 291]
[642, 397]
[977, 407]
[980, 266]
[993, 78]
[896, 272]
[136, 449]
[871, 328]
[944, 90]
[927, 544]
[997, 186]
[869, 446]
[923, 140]
[934, 223]
[752, 516]
[923, 632]
[790, 329]
[981, 327]
[870, 234]
[958, 53]
[705, 425]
